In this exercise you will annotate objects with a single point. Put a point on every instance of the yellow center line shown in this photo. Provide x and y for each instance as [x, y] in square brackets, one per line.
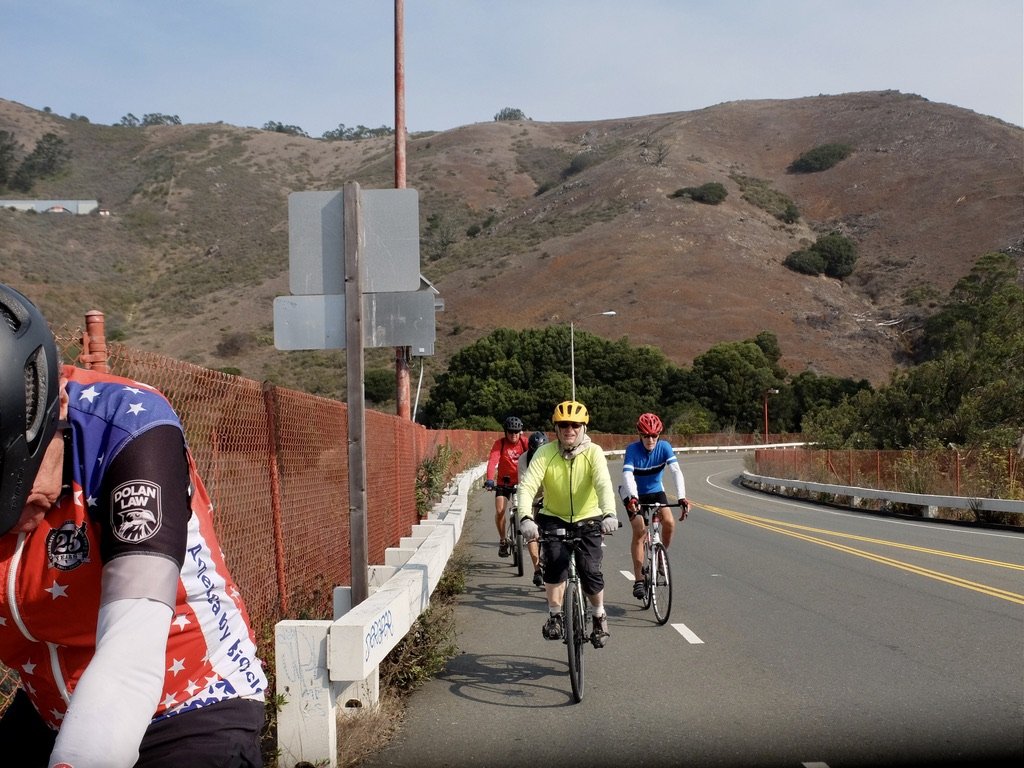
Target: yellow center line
[883, 542]
[780, 527]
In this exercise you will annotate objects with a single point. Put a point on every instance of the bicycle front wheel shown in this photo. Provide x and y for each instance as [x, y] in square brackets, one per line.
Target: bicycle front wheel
[661, 584]
[517, 552]
[647, 571]
[511, 535]
[575, 636]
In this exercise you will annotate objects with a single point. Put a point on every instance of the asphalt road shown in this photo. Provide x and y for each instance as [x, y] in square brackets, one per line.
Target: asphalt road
[800, 636]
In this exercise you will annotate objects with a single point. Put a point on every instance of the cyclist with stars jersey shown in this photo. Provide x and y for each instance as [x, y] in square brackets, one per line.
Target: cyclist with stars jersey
[131, 640]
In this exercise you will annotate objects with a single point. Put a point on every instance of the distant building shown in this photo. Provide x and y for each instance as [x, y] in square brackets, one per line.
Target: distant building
[80, 207]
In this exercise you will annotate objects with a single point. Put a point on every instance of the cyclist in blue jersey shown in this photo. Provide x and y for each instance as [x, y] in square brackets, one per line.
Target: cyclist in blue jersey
[643, 465]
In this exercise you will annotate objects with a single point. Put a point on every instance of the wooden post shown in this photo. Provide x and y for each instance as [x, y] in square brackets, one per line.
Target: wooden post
[356, 394]
[94, 342]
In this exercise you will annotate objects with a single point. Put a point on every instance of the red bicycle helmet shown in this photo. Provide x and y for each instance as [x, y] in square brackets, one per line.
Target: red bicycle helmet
[649, 424]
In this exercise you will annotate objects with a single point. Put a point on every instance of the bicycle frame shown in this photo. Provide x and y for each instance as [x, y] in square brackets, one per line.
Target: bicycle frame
[514, 535]
[657, 573]
[578, 618]
[511, 527]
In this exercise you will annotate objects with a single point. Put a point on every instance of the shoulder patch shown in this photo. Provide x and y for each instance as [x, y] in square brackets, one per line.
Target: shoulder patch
[135, 513]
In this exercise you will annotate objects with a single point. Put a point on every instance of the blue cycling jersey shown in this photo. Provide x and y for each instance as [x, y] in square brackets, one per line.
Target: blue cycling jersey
[648, 466]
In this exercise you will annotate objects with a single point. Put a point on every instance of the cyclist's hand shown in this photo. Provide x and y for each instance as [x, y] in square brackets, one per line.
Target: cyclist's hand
[609, 524]
[529, 529]
[632, 505]
[684, 508]
[489, 485]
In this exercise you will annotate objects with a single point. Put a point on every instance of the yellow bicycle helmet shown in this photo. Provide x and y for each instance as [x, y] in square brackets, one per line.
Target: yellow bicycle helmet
[570, 410]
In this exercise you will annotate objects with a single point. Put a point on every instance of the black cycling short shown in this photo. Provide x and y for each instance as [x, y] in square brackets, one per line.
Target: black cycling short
[588, 554]
[223, 735]
[508, 491]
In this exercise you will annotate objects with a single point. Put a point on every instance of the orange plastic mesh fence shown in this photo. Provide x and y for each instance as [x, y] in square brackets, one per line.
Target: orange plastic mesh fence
[982, 473]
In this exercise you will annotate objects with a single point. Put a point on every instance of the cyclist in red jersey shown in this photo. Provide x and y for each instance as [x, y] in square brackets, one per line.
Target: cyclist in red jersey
[131, 640]
[503, 475]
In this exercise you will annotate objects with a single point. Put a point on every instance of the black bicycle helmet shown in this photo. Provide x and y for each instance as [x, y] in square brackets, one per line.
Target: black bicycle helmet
[29, 399]
[513, 424]
[537, 439]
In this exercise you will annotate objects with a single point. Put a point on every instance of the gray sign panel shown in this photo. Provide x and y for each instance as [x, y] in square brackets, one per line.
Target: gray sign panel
[403, 319]
[391, 247]
[316, 239]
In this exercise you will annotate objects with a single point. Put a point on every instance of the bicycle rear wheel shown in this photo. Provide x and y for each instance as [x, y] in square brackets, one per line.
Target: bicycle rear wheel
[661, 584]
[575, 639]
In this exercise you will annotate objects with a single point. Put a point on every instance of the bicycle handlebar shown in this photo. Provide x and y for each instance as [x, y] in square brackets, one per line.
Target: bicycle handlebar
[575, 533]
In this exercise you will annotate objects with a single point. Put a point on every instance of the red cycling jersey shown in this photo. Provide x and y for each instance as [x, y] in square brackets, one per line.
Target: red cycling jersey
[503, 460]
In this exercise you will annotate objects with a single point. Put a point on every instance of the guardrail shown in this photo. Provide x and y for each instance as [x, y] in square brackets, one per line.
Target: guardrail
[930, 503]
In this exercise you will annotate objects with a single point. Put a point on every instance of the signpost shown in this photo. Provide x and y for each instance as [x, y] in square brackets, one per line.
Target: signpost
[353, 259]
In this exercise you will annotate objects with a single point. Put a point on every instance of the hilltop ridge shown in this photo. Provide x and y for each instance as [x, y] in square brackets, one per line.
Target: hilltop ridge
[527, 224]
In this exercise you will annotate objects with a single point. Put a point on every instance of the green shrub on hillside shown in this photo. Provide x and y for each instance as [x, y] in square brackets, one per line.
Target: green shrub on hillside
[806, 262]
[711, 193]
[758, 192]
[580, 163]
[839, 253]
[820, 158]
[834, 254]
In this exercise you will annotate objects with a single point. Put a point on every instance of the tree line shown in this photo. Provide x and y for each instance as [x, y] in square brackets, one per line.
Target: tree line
[20, 170]
[966, 386]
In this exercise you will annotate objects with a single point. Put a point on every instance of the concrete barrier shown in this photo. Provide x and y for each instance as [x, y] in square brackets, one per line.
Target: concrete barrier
[781, 485]
[323, 665]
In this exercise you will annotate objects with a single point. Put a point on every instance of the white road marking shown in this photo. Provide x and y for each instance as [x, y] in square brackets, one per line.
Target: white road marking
[682, 629]
[814, 765]
[687, 633]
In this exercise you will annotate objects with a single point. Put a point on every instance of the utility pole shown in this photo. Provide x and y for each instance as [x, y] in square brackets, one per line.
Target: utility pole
[402, 399]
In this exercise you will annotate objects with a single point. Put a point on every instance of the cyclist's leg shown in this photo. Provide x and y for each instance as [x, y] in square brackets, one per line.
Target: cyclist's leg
[636, 546]
[501, 502]
[589, 560]
[534, 549]
[556, 571]
[538, 574]
[668, 525]
[499, 513]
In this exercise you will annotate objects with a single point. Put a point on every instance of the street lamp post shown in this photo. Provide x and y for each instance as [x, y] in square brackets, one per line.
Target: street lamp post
[572, 344]
[766, 393]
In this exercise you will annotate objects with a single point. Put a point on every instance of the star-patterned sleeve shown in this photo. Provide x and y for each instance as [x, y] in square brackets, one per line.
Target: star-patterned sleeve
[144, 512]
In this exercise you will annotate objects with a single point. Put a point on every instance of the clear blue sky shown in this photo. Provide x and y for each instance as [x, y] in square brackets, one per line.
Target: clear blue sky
[318, 63]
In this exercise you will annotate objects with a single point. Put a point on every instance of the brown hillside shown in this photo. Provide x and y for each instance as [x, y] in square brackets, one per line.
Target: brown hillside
[197, 247]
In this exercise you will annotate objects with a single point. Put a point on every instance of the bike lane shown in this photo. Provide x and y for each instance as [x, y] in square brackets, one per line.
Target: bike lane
[505, 698]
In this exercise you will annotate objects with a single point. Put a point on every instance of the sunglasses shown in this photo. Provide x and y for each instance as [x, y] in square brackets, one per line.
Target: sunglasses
[568, 425]
[648, 437]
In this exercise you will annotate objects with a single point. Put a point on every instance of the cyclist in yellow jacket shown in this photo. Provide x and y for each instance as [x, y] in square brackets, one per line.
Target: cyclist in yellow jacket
[572, 472]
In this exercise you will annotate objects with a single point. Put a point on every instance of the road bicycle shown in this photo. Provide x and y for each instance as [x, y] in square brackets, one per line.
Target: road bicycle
[578, 618]
[512, 533]
[656, 571]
